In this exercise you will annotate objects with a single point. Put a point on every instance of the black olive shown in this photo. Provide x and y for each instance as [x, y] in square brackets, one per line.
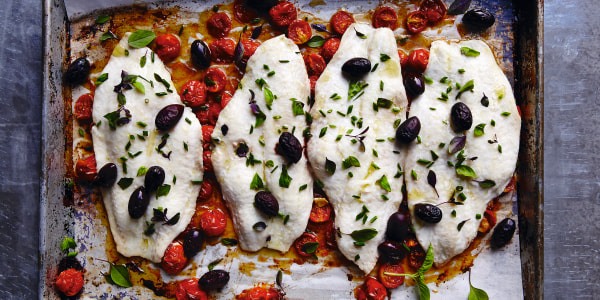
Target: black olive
[78, 71]
[266, 203]
[397, 227]
[192, 242]
[261, 6]
[168, 117]
[107, 175]
[478, 19]
[214, 280]
[289, 147]
[138, 202]
[391, 251]
[242, 149]
[460, 117]
[356, 67]
[408, 130]
[155, 176]
[224, 129]
[200, 54]
[503, 233]
[414, 84]
[428, 213]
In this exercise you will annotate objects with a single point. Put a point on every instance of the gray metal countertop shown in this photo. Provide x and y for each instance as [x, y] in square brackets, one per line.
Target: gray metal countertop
[571, 134]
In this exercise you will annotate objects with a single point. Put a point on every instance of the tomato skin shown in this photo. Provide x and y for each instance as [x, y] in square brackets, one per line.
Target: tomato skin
[330, 233]
[222, 50]
[416, 256]
[435, 11]
[330, 47]
[190, 290]
[315, 64]
[213, 222]
[69, 282]
[174, 259]
[83, 107]
[219, 25]
[299, 31]
[207, 131]
[390, 281]
[207, 161]
[193, 93]
[302, 240]
[283, 14]
[202, 114]
[374, 289]
[416, 22]
[320, 214]
[85, 169]
[260, 293]
[213, 113]
[385, 17]
[340, 21]
[206, 190]
[403, 58]
[215, 80]
[225, 98]
[242, 12]
[418, 60]
[168, 47]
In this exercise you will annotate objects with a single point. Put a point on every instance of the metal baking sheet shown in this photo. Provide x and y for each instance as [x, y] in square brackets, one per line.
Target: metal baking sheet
[57, 220]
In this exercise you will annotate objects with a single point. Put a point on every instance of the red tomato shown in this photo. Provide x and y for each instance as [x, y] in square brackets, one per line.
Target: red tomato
[416, 21]
[391, 281]
[213, 222]
[416, 256]
[219, 25]
[330, 233]
[260, 293]
[174, 260]
[330, 48]
[207, 161]
[435, 11]
[249, 48]
[222, 50]
[512, 185]
[340, 21]
[283, 14]
[167, 47]
[418, 60]
[215, 80]
[315, 64]
[213, 113]
[225, 98]
[385, 17]
[206, 190]
[69, 282]
[303, 240]
[85, 169]
[207, 131]
[190, 290]
[320, 214]
[299, 31]
[490, 216]
[242, 13]
[83, 107]
[202, 114]
[193, 93]
[374, 289]
[359, 293]
[403, 58]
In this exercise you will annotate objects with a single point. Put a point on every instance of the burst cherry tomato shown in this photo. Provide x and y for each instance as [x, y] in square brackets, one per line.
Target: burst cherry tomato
[385, 17]
[488, 222]
[207, 161]
[416, 21]
[340, 21]
[249, 48]
[416, 256]
[225, 98]
[315, 64]
[69, 282]
[242, 12]
[205, 191]
[83, 107]
[193, 93]
[215, 80]
[304, 239]
[167, 47]
[207, 131]
[418, 60]
[174, 259]
[202, 114]
[330, 47]
[283, 14]
[403, 58]
[299, 31]
[435, 11]
[374, 290]
[330, 233]
[213, 222]
[320, 214]
[512, 185]
[213, 113]
[190, 290]
[391, 281]
[85, 169]
[260, 293]
[219, 25]
[222, 50]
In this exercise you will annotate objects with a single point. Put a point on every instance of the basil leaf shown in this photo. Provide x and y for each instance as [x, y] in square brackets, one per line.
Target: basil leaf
[163, 190]
[142, 171]
[141, 38]
[458, 7]
[487, 183]
[139, 86]
[279, 277]
[256, 183]
[384, 57]
[102, 78]
[383, 182]
[284, 178]
[143, 61]
[363, 235]
[310, 248]
[350, 161]
[229, 242]
[465, 170]
[467, 87]
[298, 108]
[212, 265]
[423, 290]
[107, 36]
[173, 220]
[268, 96]
[477, 294]
[101, 19]
[125, 182]
[428, 262]
[67, 243]
[360, 34]
[466, 51]
[120, 275]
[330, 166]
[315, 41]
[461, 224]
[479, 130]
[384, 103]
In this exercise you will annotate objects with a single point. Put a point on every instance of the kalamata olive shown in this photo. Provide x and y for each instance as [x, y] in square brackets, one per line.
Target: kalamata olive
[478, 19]
[428, 213]
[356, 67]
[200, 54]
[107, 175]
[155, 176]
[391, 251]
[266, 203]
[414, 84]
[503, 233]
[192, 242]
[261, 6]
[138, 202]
[214, 280]
[397, 227]
[168, 117]
[460, 117]
[408, 130]
[289, 147]
[78, 71]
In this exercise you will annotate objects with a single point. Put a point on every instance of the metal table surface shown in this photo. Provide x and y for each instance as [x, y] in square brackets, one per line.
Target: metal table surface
[571, 134]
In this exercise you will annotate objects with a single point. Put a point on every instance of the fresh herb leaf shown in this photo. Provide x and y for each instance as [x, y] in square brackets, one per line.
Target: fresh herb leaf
[355, 89]
[487, 183]
[284, 178]
[461, 224]
[212, 265]
[316, 41]
[119, 275]
[464, 170]
[125, 182]
[256, 183]
[330, 166]
[505, 114]
[475, 293]
[310, 247]
[479, 129]
[102, 78]
[467, 87]
[101, 19]
[363, 235]
[67, 243]
[384, 57]
[384, 103]
[383, 182]
[298, 108]
[466, 51]
[229, 242]
[360, 34]
[163, 190]
[350, 161]
[141, 38]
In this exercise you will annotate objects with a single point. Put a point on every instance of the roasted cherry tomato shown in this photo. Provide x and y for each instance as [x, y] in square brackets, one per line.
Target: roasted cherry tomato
[207, 161]
[435, 11]
[416, 256]
[207, 131]
[512, 185]
[315, 64]
[83, 107]
[418, 60]
[385, 17]
[299, 31]
[283, 14]
[174, 259]
[488, 222]
[219, 25]
[215, 80]
[193, 93]
[249, 47]
[213, 222]
[206, 190]
[213, 113]
[391, 281]
[202, 114]
[374, 290]
[304, 239]
[340, 21]
[403, 58]
[260, 293]
[242, 12]
[69, 282]
[320, 212]
[222, 50]
[190, 290]
[330, 47]
[168, 47]
[416, 22]
[225, 98]
[330, 233]
[85, 169]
